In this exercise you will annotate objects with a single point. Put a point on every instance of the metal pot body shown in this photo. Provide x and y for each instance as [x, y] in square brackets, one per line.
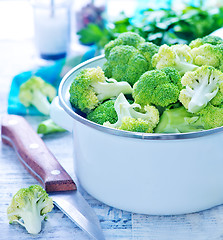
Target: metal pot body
[158, 174]
[158, 177]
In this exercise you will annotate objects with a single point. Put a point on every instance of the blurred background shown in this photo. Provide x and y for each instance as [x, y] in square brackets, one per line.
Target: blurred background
[34, 33]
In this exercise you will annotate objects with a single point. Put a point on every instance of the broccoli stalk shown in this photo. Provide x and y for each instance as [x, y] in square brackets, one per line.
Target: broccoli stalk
[110, 88]
[90, 87]
[29, 207]
[178, 120]
[201, 85]
[48, 126]
[131, 120]
[38, 93]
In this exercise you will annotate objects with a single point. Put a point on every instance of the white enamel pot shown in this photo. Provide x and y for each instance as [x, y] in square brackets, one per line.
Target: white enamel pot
[157, 174]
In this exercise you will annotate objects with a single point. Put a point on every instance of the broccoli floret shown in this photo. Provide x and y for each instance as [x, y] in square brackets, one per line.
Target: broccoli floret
[178, 120]
[208, 51]
[201, 86]
[29, 207]
[128, 57]
[48, 126]
[38, 93]
[148, 49]
[211, 116]
[127, 38]
[207, 54]
[90, 87]
[213, 40]
[158, 87]
[126, 63]
[131, 120]
[177, 56]
[103, 113]
[218, 99]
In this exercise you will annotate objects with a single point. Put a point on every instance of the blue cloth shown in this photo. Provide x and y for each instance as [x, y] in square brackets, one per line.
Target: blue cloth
[50, 74]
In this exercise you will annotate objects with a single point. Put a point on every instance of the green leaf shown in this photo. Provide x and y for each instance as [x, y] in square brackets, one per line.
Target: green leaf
[91, 34]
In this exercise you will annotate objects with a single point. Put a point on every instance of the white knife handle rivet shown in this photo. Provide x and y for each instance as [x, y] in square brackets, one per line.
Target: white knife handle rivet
[12, 122]
[55, 172]
[33, 145]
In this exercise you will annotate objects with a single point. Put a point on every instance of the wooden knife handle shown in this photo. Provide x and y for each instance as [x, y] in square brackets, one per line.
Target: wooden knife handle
[34, 154]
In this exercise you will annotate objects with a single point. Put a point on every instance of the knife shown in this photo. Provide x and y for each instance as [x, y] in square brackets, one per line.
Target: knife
[40, 163]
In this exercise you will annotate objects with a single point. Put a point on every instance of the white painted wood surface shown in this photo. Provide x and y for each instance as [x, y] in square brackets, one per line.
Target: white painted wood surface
[19, 56]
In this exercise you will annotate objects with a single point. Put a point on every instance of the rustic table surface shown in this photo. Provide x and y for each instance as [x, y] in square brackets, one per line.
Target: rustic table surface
[19, 55]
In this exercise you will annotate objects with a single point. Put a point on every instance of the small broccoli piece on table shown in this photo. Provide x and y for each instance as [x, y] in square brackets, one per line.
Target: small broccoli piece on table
[158, 87]
[178, 120]
[177, 56]
[201, 86]
[90, 87]
[105, 112]
[213, 40]
[29, 207]
[48, 126]
[36, 92]
[128, 57]
[131, 120]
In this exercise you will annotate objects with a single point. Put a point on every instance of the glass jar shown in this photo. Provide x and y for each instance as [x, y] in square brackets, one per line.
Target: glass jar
[52, 27]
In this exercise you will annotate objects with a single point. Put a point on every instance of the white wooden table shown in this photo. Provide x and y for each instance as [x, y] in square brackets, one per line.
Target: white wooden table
[17, 56]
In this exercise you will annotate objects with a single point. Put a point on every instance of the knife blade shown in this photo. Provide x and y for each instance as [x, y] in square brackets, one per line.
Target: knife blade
[41, 164]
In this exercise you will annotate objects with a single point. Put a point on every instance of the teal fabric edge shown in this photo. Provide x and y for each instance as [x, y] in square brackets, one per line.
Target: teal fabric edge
[50, 73]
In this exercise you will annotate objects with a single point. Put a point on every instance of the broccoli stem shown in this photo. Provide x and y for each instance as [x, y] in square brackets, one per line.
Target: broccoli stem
[48, 126]
[106, 90]
[202, 94]
[183, 67]
[31, 218]
[41, 102]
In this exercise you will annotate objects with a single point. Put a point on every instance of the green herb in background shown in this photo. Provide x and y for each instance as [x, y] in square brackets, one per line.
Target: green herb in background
[159, 26]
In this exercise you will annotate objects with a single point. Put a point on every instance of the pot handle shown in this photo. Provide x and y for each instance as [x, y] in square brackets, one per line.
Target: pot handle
[59, 116]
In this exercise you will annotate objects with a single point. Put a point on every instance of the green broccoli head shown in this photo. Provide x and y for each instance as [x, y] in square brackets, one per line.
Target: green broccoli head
[211, 116]
[158, 87]
[131, 120]
[29, 207]
[128, 57]
[135, 125]
[207, 54]
[38, 93]
[218, 99]
[127, 38]
[178, 120]
[213, 40]
[201, 86]
[177, 56]
[90, 87]
[126, 63]
[105, 112]
[148, 49]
